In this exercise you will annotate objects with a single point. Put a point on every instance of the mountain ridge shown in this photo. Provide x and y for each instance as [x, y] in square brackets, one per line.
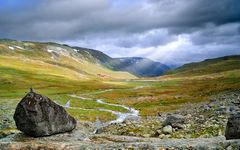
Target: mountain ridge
[138, 66]
[208, 66]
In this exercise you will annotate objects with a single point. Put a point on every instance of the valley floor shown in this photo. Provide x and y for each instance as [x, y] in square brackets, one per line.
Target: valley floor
[124, 111]
[203, 129]
[127, 110]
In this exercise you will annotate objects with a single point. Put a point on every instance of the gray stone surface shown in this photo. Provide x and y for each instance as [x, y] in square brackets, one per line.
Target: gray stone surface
[233, 127]
[167, 129]
[71, 141]
[175, 120]
[37, 115]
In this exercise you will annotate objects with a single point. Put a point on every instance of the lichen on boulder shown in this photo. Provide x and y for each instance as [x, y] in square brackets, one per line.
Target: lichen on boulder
[37, 116]
[233, 127]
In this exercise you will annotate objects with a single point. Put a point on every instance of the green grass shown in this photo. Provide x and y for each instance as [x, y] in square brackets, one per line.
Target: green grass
[91, 115]
[170, 93]
[23, 69]
[167, 94]
[209, 66]
[87, 104]
[57, 79]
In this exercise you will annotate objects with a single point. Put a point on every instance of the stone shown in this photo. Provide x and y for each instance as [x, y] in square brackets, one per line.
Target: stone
[233, 127]
[188, 116]
[161, 136]
[158, 132]
[99, 131]
[37, 116]
[205, 136]
[167, 129]
[146, 135]
[229, 148]
[222, 110]
[206, 108]
[175, 120]
[233, 108]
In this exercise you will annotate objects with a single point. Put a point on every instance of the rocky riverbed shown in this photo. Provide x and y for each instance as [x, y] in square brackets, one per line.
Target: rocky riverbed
[200, 126]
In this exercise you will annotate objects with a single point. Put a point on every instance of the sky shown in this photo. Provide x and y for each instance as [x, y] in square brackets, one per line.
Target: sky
[170, 31]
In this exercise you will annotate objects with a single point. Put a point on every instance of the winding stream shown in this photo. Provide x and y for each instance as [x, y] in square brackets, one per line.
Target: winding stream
[121, 116]
[132, 113]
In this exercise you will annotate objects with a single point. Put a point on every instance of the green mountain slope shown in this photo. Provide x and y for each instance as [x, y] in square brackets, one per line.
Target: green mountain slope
[59, 71]
[56, 71]
[209, 66]
[54, 59]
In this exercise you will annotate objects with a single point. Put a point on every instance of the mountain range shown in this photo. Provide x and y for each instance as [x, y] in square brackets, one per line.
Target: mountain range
[138, 66]
[53, 52]
[77, 62]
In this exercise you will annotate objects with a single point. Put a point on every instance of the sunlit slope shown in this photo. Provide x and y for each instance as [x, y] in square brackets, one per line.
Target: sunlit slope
[208, 77]
[54, 59]
[56, 71]
[209, 66]
[192, 83]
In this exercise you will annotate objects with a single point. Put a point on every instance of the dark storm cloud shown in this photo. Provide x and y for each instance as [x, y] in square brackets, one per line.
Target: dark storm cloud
[223, 34]
[65, 19]
[122, 27]
[198, 12]
[147, 39]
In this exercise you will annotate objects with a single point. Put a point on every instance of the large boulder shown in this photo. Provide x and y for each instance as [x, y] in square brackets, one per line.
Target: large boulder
[175, 120]
[37, 115]
[233, 127]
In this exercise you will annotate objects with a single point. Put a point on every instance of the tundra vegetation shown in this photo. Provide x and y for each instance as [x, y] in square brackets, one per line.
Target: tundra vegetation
[59, 72]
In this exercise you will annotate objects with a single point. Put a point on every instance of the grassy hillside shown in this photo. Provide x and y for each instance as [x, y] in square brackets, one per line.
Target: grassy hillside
[209, 66]
[56, 71]
[192, 83]
[59, 71]
[61, 60]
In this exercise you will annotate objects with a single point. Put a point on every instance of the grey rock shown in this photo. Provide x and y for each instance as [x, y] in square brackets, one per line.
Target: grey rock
[158, 132]
[233, 127]
[37, 115]
[233, 108]
[206, 107]
[167, 129]
[176, 121]
[99, 131]
[161, 136]
[146, 135]
[222, 110]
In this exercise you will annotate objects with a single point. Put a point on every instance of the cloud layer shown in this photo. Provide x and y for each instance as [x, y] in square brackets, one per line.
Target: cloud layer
[170, 31]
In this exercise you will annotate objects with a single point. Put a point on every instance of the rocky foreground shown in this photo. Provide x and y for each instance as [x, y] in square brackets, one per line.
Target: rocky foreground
[83, 138]
[199, 126]
[203, 120]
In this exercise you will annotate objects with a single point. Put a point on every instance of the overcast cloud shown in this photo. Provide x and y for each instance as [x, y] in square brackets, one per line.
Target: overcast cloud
[169, 31]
